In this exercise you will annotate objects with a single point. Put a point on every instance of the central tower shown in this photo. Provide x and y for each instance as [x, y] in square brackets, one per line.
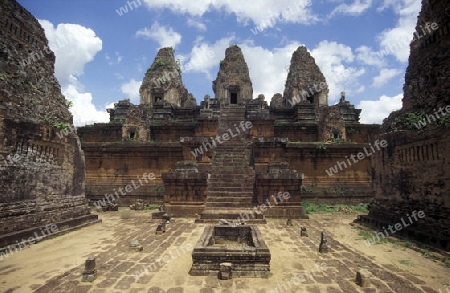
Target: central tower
[233, 84]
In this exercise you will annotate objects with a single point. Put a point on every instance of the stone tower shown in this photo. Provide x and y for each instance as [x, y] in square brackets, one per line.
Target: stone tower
[233, 84]
[163, 81]
[413, 172]
[42, 177]
[305, 82]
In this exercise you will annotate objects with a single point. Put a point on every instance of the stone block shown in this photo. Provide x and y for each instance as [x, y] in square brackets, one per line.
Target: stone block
[225, 269]
[135, 246]
[362, 278]
[90, 271]
[161, 228]
[323, 246]
[303, 232]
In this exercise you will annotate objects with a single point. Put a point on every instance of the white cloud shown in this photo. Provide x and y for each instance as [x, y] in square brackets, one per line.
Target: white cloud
[368, 57]
[119, 57]
[333, 59]
[131, 89]
[384, 76]
[83, 109]
[258, 12]
[196, 24]
[204, 57]
[376, 111]
[395, 41]
[75, 46]
[356, 8]
[262, 63]
[196, 8]
[163, 35]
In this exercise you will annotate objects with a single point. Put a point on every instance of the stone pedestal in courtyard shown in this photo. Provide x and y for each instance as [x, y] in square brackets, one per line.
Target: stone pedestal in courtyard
[242, 248]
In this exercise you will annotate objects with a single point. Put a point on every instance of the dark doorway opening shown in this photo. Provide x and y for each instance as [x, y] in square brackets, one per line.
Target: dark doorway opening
[233, 98]
[157, 98]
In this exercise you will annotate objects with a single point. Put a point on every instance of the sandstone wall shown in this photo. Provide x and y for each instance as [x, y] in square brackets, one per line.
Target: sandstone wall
[413, 172]
[42, 170]
[112, 166]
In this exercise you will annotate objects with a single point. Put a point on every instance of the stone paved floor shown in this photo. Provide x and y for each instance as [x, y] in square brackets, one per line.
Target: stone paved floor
[291, 255]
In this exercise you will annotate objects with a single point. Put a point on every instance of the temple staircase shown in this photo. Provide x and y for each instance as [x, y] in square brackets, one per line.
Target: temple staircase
[230, 194]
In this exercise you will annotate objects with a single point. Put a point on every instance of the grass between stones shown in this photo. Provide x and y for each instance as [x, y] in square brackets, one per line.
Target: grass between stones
[313, 208]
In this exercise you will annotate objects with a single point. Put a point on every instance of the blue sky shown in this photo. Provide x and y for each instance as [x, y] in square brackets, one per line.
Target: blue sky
[103, 48]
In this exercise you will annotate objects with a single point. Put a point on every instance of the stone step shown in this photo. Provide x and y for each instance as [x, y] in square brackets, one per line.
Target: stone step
[231, 221]
[226, 115]
[214, 192]
[226, 205]
[248, 182]
[241, 169]
[235, 146]
[228, 156]
[232, 155]
[229, 188]
[218, 195]
[230, 162]
[238, 215]
[231, 170]
[242, 182]
[225, 160]
[240, 187]
[233, 198]
[249, 173]
[216, 212]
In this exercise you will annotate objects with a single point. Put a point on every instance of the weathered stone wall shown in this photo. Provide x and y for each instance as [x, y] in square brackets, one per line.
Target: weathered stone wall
[115, 165]
[413, 172]
[351, 184]
[101, 132]
[42, 170]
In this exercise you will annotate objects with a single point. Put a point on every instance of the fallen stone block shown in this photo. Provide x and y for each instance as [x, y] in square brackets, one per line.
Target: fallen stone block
[362, 278]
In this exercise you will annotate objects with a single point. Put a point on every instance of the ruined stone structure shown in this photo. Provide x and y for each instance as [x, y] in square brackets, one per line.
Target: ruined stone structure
[163, 82]
[241, 249]
[232, 155]
[413, 172]
[42, 170]
[233, 84]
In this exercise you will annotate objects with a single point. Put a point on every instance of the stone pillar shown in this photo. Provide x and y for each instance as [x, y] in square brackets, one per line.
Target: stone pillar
[323, 247]
[90, 272]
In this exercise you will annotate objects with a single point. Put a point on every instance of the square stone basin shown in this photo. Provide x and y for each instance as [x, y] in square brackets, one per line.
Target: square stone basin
[242, 246]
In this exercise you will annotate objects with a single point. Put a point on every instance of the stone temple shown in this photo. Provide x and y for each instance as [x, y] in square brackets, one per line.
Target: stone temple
[233, 152]
[233, 170]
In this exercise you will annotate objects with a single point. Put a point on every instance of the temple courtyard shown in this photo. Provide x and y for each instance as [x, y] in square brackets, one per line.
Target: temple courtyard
[57, 264]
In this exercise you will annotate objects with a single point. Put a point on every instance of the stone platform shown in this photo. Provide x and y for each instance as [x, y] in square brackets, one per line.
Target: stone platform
[242, 247]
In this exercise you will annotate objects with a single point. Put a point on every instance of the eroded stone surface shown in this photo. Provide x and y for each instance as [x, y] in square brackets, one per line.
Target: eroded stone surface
[42, 169]
[233, 84]
[163, 81]
[305, 82]
[413, 171]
